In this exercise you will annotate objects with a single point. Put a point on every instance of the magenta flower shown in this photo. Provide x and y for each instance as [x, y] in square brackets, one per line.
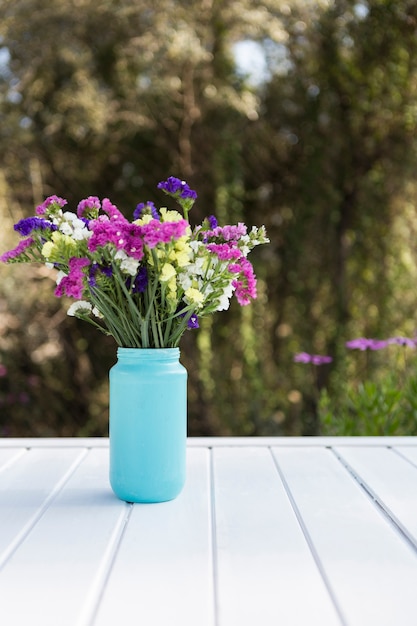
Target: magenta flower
[18, 253]
[163, 232]
[108, 231]
[225, 251]
[73, 284]
[89, 207]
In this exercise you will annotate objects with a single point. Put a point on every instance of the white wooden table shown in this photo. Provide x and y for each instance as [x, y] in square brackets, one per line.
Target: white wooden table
[268, 532]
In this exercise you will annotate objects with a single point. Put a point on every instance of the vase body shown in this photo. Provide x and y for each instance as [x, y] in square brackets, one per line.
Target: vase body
[148, 424]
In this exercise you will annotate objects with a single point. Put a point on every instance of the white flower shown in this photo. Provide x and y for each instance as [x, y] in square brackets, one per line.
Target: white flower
[128, 264]
[81, 306]
[224, 300]
[60, 276]
[81, 232]
[185, 280]
[71, 225]
[66, 228]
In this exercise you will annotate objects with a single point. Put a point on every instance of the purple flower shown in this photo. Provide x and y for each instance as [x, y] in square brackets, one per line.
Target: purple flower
[315, 359]
[212, 222]
[176, 187]
[182, 311]
[362, 343]
[320, 359]
[302, 357]
[193, 321]
[27, 225]
[403, 341]
[96, 267]
[145, 208]
[140, 281]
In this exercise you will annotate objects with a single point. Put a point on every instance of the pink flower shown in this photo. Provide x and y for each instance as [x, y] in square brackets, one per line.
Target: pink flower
[245, 288]
[227, 233]
[51, 201]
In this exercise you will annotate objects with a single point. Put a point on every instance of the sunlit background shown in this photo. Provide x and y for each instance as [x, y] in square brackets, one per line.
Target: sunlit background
[298, 115]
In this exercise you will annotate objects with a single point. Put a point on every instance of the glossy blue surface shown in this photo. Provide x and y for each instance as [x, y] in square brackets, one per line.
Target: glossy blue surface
[148, 424]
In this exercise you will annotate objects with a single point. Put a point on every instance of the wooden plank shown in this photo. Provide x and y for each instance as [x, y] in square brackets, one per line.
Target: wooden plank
[370, 566]
[26, 488]
[163, 570]
[390, 479]
[50, 578]
[266, 573]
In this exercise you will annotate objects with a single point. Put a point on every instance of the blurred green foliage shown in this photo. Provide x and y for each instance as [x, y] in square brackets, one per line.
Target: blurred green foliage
[384, 405]
[109, 97]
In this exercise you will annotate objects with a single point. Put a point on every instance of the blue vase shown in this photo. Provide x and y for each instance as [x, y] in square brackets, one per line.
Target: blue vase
[148, 424]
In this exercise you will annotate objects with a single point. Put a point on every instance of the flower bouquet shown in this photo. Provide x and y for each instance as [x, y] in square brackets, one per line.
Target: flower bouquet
[143, 281]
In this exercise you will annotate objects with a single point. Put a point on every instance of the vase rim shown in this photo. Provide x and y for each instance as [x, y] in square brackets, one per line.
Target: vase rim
[148, 353]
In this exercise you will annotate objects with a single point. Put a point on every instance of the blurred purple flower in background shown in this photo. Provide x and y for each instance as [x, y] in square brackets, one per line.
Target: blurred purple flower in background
[315, 359]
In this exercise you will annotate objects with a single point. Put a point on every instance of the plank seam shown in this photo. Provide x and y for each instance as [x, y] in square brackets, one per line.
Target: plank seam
[309, 541]
[214, 544]
[377, 501]
[94, 598]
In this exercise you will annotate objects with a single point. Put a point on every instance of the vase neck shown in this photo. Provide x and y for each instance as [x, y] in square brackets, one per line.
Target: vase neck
[148, 354]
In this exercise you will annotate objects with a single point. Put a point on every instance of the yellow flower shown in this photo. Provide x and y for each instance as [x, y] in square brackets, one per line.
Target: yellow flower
[180, 257]
[61, 247]
[172, 284]
[171, 297]
[144, 220]
[170, 216]
[194, 296]
[47, 249]
[167, 272]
